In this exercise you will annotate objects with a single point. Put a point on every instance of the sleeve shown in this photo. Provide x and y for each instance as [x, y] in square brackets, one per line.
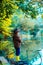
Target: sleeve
[18, 39]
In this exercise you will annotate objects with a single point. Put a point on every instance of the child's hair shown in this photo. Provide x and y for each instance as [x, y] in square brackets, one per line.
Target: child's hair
[15, 30]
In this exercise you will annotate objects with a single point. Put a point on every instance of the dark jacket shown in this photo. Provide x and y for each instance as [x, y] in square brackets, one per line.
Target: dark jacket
[16, 41]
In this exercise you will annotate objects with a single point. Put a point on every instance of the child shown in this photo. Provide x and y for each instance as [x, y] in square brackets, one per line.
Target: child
[17, 43]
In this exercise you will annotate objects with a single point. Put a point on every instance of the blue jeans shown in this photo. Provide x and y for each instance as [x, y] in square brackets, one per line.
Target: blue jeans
[17, 51]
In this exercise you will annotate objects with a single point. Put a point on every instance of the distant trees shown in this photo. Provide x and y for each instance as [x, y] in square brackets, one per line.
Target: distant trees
[7, 9]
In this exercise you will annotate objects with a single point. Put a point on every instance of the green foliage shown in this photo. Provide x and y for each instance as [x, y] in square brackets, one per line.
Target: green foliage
[17, 10]
[27, 8]
[10, 6]
[7, 8]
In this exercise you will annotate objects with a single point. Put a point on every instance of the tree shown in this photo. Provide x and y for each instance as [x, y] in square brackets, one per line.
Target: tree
[7, 9]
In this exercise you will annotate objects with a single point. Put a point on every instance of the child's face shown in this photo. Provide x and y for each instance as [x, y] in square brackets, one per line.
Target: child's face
[16, 32]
